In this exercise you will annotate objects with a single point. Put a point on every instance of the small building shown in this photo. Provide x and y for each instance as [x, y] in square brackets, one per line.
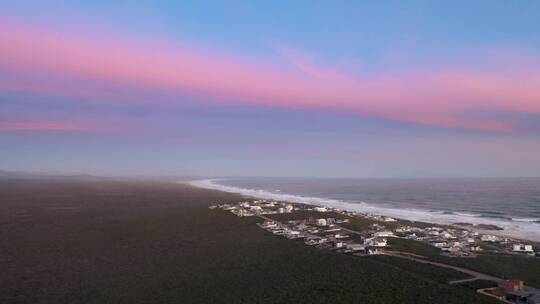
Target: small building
[476, 248]
[321, 222]
[489, 238]
[446, 235]
[269, 224]
[301, 226]
[383, 233]
[255, 208]
[402, 229]
[511, 285]
[439, 244]
[293, 234]
[356, 247]
[374, 251]
[376, 242]
[523, 297]
[412, 236]
[522, 248]
[380, 243]
[339, 244]
[314, 240]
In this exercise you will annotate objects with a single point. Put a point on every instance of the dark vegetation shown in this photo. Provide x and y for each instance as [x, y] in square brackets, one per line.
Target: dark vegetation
[305, 214]
[361, 224]
[500, 265]
[439, 274]
[478, 284]
[150, 242]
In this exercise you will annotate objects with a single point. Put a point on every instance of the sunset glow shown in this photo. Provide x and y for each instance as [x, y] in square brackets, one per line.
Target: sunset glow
[89, 74]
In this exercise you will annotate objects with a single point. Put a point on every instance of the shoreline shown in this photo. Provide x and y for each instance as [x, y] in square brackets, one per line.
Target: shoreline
[504, 232]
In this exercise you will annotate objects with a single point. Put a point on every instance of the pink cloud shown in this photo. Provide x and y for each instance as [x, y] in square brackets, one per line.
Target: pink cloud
[44, 126]
[429, 98]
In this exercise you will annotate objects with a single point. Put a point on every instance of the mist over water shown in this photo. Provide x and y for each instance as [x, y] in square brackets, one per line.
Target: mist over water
[513, 204]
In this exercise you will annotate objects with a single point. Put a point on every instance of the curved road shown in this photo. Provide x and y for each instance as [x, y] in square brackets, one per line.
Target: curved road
[475, 275]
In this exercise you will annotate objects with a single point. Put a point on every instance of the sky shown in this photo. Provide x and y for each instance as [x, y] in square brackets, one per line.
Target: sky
[271, 88]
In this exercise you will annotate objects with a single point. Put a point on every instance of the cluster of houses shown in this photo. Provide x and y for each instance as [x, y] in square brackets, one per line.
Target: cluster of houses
[257, 207]
[453, 241]
[326, 233]
[323, 232]
[325, 228]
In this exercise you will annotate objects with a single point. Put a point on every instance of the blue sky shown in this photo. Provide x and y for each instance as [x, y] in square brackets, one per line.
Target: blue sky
[451, 59]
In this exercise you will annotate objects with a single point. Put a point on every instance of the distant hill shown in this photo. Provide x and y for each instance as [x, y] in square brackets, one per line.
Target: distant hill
[33, 175]
[7, 174]
[10, 174]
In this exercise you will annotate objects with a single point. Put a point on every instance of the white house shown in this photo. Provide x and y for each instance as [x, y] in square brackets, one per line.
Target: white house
[321, 222]
[446, 235]
[376, 242]
[489, 238]
[402, 229]
[340, 244]
[269, 224]
[439, 244]
[356, 247]
[476, 248]
[380, 243]
[522, 248]
[384, 233]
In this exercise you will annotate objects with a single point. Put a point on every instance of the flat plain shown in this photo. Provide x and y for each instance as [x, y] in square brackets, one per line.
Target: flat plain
[104, 241]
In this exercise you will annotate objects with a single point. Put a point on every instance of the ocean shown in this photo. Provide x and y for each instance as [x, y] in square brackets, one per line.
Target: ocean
[510, 203]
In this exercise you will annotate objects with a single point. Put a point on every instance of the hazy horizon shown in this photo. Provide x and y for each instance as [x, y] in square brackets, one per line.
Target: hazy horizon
[224, 177]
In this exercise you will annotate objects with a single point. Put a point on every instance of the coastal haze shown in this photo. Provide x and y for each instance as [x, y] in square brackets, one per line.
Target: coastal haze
[512, 203]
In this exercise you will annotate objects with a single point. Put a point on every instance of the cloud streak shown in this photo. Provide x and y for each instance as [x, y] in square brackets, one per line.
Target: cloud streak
[436, 98]
[47, 126]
